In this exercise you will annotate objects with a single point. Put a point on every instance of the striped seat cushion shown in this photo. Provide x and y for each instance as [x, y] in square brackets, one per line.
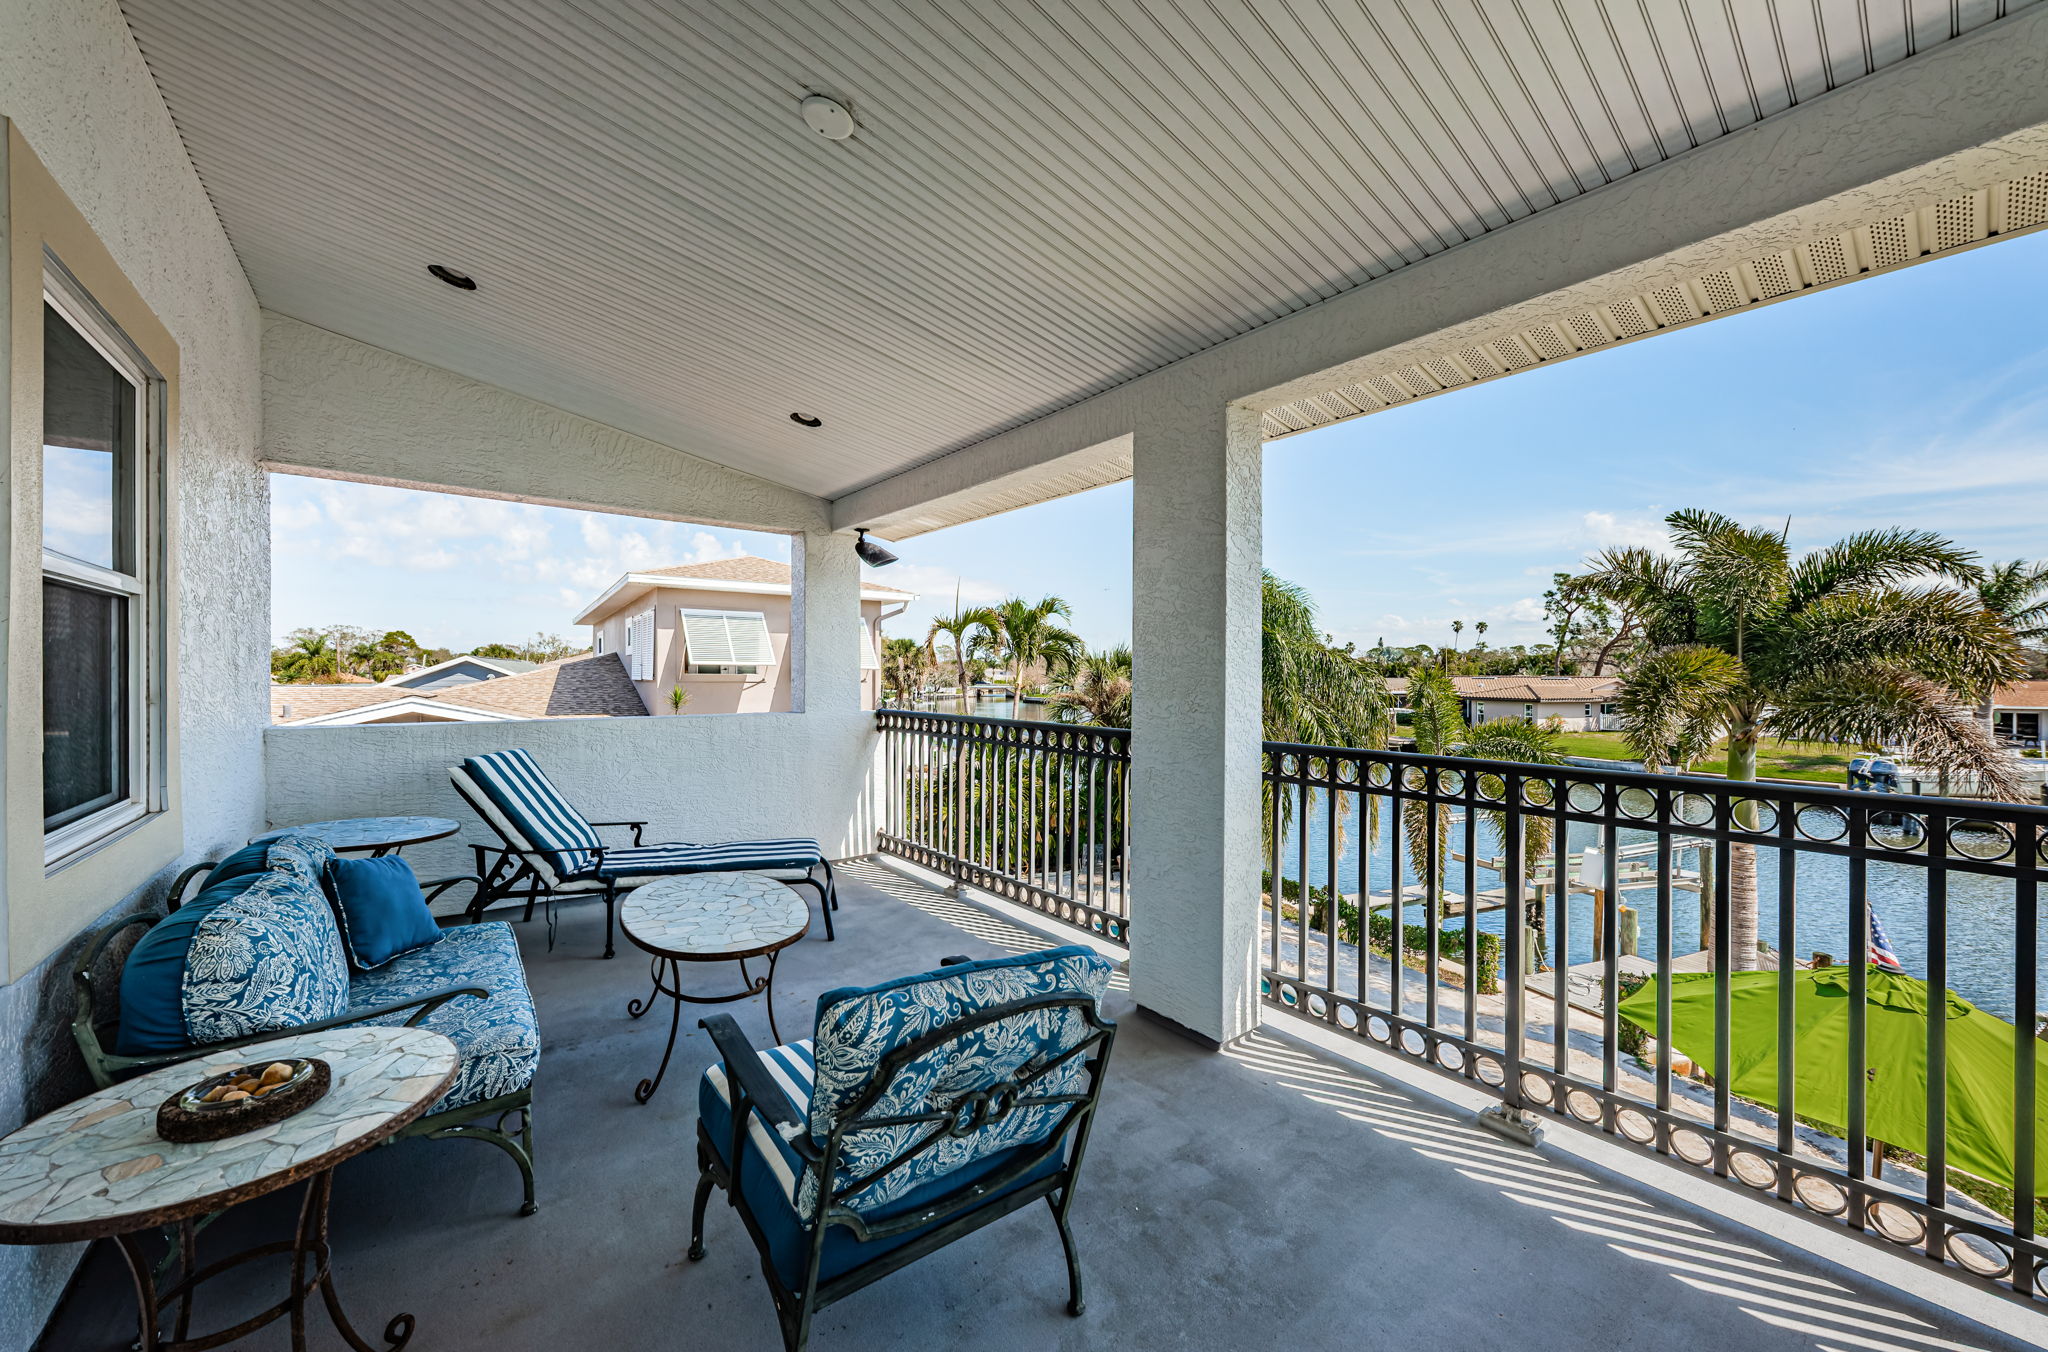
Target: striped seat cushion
[518, 788]
[794, 1070]
[733, 856]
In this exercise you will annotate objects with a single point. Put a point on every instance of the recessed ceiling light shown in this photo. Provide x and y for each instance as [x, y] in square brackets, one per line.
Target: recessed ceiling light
[827, 117]
[452, 277]
[806, 419]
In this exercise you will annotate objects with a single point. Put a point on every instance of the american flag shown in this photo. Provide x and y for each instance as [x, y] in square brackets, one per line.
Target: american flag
[1881, 954]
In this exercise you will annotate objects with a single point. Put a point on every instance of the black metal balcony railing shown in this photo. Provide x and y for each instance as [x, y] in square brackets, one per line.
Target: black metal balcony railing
[1957, 882]
[1394, 912]
[1030, 812]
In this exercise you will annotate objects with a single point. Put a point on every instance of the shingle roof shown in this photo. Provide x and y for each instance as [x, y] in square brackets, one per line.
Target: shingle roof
[317, 701]
[746, 568]
[574, 687]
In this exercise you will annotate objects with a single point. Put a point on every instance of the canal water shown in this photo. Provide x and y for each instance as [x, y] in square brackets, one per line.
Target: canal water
[1979, 908]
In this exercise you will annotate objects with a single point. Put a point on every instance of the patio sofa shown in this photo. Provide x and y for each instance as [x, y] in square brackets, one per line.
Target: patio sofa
[257, 954]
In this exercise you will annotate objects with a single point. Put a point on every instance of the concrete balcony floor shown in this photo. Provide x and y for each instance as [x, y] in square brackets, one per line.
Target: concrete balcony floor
[1268, 1197]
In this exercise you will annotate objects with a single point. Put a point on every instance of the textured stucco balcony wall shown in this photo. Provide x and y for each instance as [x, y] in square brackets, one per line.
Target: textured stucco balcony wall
[76, 90]
[703, 778]
[333, 406]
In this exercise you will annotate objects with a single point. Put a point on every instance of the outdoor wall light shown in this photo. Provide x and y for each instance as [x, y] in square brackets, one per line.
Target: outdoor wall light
[872, 554]
[806, 420]
[452, 277]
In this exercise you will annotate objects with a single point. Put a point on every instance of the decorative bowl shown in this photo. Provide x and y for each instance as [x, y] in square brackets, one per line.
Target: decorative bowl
[243, 1099]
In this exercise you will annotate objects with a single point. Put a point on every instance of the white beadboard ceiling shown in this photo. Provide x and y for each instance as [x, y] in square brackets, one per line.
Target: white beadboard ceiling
[1045, 198]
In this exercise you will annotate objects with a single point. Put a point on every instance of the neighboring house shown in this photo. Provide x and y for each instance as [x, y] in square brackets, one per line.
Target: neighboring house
[464, 670]
[2018, 711]
[720, 630]
[574, 687]
[1578, 703]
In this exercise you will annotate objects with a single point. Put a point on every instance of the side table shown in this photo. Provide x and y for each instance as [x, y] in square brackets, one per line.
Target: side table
[96, 1169]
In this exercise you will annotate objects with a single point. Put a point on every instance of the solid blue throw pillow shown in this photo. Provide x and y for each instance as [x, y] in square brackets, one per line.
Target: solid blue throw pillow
[381, 909]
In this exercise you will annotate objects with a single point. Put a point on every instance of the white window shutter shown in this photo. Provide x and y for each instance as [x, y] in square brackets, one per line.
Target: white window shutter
[727, 638]
[640, 643]
[870, 658]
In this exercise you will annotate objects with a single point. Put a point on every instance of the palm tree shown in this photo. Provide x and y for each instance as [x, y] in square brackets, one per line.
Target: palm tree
[1479, 628]
[1098, 690]
[315, 652]
[1457, 628]
[1440, 730]
[965, 628]
[1028, 636]
[1310, 691]
[1847, 644]
[2017, 593]
[904, 661]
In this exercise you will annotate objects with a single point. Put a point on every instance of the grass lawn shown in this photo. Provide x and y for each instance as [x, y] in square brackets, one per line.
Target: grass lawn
[1774, 759]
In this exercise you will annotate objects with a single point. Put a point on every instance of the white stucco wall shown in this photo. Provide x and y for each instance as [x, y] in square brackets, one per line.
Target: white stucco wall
[118, 159]
[715, 777]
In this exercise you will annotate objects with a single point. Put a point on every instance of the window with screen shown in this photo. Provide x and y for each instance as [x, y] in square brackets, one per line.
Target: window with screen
[96, 428]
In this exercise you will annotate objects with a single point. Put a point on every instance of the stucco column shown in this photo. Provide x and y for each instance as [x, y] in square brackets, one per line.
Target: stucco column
[1195, 716]
[824, 623]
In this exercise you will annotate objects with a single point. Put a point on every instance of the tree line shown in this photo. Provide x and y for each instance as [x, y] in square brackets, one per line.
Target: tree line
[340, 652]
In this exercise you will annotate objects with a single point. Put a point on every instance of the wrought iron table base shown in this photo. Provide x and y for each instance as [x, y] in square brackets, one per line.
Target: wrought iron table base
[674, 990]
[312, 1269]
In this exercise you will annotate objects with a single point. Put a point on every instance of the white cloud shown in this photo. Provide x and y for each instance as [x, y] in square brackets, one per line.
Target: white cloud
[935, 586]
[1609, 530]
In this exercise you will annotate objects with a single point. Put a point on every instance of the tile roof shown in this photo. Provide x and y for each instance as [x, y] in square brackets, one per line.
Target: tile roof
[1538, 689]
[1528, 689]
[574, 687]
[2022, 695]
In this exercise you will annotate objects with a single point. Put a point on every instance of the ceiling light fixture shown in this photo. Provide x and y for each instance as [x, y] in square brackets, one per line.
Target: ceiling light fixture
[806, 420]
[452, 277]
[872, 554]
[827, 117]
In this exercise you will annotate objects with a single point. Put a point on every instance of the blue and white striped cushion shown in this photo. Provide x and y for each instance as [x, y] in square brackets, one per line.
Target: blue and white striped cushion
[793, 1070]
[735, 856]
[516, 785]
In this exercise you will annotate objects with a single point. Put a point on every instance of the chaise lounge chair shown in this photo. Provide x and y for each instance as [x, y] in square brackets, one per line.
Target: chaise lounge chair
[551, 851]
[924, 1109]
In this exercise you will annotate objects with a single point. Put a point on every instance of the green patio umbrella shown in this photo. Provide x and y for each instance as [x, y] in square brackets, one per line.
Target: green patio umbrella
[1980, 1057]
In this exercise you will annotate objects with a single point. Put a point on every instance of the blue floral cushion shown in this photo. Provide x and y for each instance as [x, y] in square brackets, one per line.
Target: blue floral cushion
[153, 978]
[857, 1028]
[265, 959]
[769, 1168]
[498, 1038]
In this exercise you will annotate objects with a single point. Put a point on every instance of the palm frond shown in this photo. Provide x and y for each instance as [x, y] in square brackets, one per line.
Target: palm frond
[1942, 634]
[1893, 705]
[1675, 704]
[1878, 558]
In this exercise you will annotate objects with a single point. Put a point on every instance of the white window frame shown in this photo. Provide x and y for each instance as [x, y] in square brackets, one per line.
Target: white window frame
[144, 546]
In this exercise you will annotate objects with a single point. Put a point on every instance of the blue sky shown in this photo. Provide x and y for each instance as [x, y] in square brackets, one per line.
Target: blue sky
[1916, 399]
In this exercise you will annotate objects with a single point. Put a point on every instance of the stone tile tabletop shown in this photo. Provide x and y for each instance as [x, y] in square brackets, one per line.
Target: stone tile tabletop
[368, 833]
[92, 1165]
[714, 915]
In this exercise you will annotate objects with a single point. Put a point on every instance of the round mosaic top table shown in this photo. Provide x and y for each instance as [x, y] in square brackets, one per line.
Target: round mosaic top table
[97, 1168]
[377, 835]
[709, 917]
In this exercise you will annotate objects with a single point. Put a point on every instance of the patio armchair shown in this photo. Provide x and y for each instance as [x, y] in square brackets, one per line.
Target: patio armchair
[550, 850]
[922, 1110]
